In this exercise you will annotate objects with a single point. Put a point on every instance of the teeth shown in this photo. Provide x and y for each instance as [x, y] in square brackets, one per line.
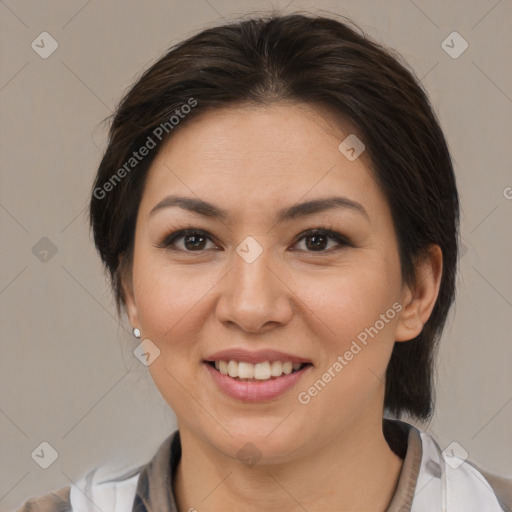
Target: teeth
[245, 370]
[276, 369]
[287, 368]
[262, 371]
[223, 367]
[233, 369]
[258, 371]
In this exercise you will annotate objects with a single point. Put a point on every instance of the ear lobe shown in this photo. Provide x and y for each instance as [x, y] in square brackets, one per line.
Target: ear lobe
[418, 300]
[125, 279]
[131, 308]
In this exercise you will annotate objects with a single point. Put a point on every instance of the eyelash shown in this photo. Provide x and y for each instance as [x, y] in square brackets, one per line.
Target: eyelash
[171, 238]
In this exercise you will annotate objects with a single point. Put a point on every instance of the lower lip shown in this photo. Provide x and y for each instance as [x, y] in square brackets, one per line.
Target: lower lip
[254, 391]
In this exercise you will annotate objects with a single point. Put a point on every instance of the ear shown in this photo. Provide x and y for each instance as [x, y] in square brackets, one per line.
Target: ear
[418, 301]
[126, 282]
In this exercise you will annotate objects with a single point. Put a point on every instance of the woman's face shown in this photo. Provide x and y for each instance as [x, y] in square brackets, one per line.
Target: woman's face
[251, 281]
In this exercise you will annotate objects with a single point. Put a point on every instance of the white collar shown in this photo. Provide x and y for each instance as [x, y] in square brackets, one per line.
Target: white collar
[446, 482]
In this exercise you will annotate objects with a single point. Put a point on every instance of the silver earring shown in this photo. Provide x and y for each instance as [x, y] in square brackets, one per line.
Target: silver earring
[136, 332]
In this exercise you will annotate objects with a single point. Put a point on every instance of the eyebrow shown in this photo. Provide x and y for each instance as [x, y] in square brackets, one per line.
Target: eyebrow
[289, 213]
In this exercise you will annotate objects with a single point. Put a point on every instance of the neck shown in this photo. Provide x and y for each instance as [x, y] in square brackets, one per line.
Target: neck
[355, 470]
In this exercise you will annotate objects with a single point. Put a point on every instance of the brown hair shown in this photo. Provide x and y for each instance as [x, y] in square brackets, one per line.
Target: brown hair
[309, 59]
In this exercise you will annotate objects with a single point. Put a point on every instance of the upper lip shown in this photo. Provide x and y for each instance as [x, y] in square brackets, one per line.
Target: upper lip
[256, 356]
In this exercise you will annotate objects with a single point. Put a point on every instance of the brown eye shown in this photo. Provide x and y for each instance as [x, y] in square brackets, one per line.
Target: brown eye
[317, 240]
[193, 240]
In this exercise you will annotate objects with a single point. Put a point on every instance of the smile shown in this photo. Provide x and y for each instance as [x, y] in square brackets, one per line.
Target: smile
[255, 382]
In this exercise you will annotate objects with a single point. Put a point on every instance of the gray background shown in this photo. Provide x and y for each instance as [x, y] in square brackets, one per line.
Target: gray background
[68, 375]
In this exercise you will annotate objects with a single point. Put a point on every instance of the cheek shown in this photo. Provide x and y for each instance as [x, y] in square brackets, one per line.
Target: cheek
[348, 300]
[166, 306]
[172, 308]
[353, 320]
[171, 301]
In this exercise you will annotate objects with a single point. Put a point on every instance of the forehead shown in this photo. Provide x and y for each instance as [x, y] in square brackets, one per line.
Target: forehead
[261, 158]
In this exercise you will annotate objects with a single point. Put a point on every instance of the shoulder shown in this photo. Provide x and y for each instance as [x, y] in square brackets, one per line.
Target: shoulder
[460, 483]
[103, 488]
[109, 488]
[55, 501]
[500, 485]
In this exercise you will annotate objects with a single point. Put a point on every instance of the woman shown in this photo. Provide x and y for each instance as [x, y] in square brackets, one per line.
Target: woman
[228, 162]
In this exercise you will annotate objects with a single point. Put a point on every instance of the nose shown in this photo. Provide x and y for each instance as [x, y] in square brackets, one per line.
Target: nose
[255, 296]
